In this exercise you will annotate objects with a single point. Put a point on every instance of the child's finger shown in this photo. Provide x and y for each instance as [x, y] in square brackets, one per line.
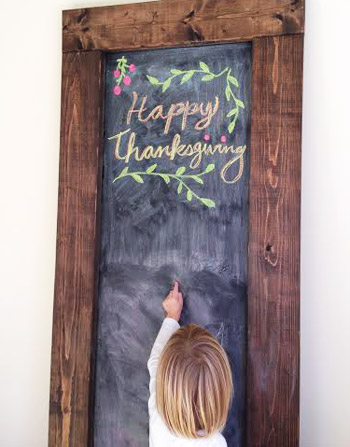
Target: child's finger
[179, 297]
[176, 288]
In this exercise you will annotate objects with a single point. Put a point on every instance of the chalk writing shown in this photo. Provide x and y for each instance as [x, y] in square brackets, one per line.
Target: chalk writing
[183, 109]
[202, 114]
[195, 151]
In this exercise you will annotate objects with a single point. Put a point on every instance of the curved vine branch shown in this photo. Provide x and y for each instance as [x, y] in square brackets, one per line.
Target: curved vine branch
[208, 76]
[179, 176]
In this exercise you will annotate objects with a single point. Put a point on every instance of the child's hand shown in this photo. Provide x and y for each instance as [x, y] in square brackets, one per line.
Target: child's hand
[173, 303]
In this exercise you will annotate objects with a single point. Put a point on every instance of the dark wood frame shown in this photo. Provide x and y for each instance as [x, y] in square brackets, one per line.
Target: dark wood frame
[275, 28]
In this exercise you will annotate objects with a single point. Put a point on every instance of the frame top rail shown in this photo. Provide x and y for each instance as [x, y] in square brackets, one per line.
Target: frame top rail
[178, 23]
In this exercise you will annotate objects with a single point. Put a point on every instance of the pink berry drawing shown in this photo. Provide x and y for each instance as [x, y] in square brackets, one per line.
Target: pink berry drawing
[127, 80]
[121, 74]
[117, 90]
[223, 139]
[206, 137]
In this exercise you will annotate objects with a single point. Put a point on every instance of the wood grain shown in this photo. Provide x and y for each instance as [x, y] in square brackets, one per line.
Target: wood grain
[178, 22]
[77, 249]
[274, 235]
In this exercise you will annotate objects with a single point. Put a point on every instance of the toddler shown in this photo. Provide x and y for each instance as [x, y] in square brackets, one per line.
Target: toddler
[190, 383]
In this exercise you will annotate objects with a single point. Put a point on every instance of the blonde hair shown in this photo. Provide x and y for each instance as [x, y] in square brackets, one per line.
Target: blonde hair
[194, 383]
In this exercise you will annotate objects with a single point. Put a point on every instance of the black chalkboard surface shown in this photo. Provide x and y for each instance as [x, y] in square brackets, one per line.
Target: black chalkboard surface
[174, 206]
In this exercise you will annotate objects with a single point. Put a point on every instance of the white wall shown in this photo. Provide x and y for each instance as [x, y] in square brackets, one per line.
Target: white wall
[325, 320]
[30, 75]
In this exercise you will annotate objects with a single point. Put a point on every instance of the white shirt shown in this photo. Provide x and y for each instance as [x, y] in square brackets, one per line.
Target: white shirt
[159, 434]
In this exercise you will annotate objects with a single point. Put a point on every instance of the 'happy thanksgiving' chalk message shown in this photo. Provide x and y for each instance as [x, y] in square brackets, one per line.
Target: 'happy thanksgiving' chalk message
[196, 115]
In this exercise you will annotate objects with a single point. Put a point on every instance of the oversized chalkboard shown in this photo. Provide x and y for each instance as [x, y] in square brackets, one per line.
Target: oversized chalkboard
[174, 205]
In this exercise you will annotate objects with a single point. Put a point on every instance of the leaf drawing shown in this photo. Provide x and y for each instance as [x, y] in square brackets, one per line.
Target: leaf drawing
[179, 176]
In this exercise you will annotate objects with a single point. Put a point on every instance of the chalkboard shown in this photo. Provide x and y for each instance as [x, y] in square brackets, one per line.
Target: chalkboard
[174, 205]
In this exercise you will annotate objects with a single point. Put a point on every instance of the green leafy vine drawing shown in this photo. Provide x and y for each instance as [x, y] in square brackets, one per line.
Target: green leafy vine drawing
[208, 76]
[179, 176]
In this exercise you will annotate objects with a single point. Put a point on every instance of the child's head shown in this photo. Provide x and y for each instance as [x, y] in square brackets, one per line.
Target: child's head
[194, 383]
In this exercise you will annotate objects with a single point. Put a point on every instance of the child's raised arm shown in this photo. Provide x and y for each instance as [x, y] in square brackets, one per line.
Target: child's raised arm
[172, 306]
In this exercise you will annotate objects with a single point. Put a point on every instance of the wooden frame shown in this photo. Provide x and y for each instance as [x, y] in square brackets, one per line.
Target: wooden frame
[276, 29]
